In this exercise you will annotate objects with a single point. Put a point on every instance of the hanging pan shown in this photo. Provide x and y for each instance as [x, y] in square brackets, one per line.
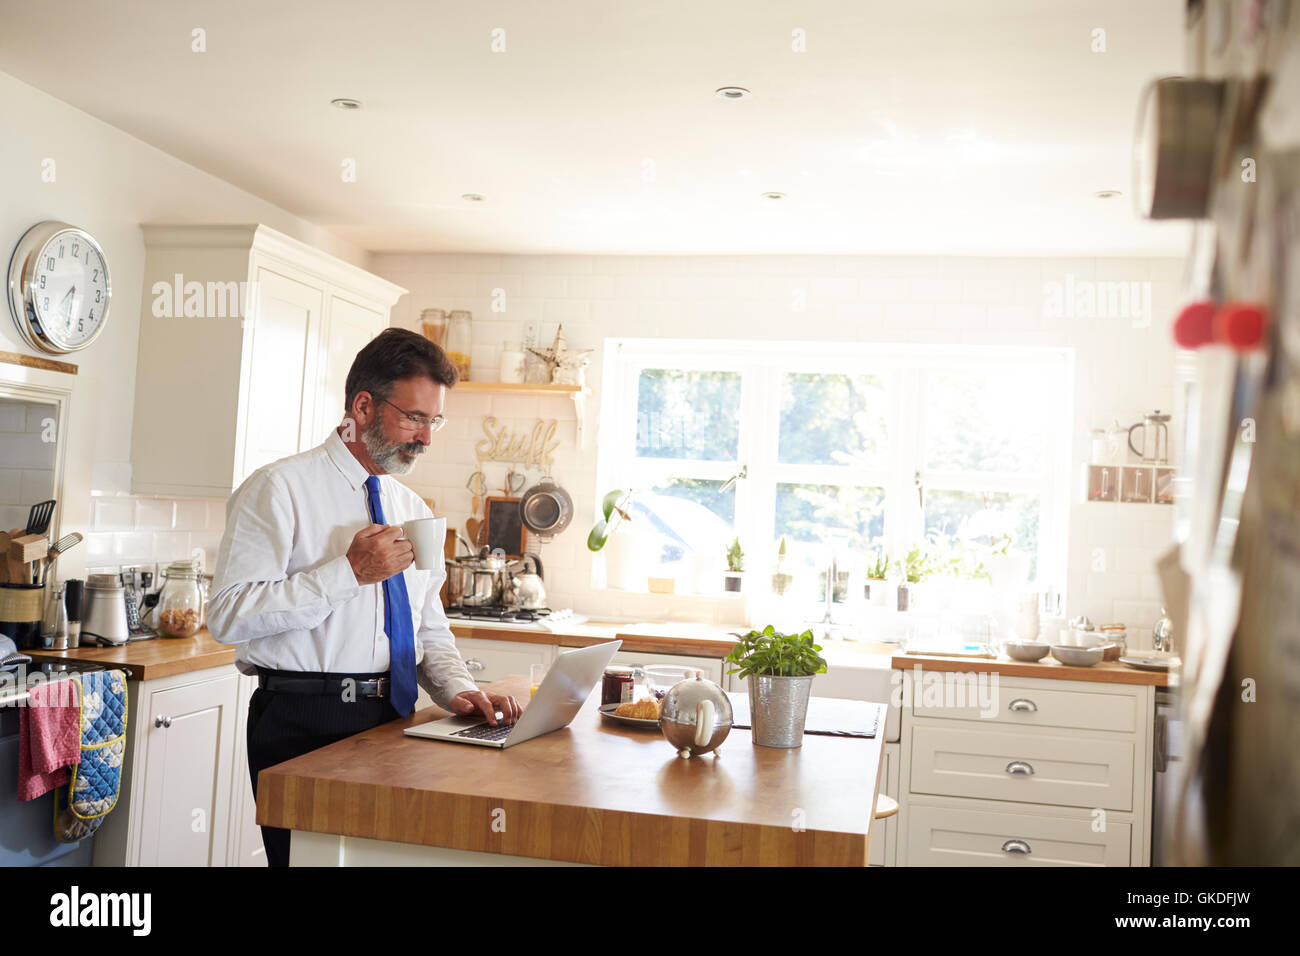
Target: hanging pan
[546, 508]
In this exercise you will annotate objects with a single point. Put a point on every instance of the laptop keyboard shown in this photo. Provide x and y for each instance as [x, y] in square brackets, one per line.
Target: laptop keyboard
[486, 732]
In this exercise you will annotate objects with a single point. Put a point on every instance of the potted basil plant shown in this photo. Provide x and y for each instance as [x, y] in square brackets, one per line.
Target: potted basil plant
[779, 669]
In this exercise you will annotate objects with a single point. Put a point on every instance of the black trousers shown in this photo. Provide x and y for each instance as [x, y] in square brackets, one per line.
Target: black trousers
[282, 726]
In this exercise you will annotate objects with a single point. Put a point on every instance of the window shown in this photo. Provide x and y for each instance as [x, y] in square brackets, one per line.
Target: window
[869, 447]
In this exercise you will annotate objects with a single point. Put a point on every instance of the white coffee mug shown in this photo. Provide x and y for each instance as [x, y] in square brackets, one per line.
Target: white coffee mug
[426, 536]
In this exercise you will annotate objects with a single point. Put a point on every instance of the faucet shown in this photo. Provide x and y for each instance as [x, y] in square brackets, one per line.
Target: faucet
[1162, 635]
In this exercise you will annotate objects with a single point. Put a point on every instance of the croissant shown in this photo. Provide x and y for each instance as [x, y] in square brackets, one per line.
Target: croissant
[647, 708]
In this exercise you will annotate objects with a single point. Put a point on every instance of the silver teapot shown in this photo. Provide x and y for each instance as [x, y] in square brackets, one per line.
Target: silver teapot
[695, 716]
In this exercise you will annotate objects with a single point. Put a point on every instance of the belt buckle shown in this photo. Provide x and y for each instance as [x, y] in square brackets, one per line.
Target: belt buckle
[381, 688]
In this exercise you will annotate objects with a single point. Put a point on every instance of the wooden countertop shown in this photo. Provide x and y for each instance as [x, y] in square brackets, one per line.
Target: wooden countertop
[593, 792]
[649, 637]
[149, 660]
[1107, 672]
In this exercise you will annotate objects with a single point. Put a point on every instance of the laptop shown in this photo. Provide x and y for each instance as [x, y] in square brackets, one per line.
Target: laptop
[564, 690]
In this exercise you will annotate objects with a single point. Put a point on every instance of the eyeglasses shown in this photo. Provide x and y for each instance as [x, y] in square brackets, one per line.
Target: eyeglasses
[416, 423]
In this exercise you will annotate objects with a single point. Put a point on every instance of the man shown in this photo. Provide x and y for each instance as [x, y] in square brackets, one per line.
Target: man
[315, 582]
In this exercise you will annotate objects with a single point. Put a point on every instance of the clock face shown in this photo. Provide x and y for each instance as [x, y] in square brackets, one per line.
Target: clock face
[59, 287]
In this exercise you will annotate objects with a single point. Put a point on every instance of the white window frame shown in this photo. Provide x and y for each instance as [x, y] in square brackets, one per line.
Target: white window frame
[903, 368]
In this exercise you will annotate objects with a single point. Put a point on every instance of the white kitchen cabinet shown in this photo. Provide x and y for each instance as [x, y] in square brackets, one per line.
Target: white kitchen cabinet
[988, 834]
[884, 837]
[489, 660]
[174, 805]
[1034, 772]
[246, 336]
[244, 847]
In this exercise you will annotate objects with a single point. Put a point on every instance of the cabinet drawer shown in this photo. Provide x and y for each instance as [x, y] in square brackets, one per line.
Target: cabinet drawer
[492, 660]
[1026, 706]
[1032, 765]
[961, 836]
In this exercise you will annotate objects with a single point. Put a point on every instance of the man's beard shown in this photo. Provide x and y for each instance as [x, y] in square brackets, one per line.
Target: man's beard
[386, 454]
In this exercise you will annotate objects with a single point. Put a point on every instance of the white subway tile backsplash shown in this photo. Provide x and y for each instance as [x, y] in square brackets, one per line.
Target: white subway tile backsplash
[154, 513]
[112, 514]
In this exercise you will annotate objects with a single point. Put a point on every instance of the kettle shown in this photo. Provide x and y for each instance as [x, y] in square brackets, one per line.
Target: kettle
[695, 716]
[529, 591]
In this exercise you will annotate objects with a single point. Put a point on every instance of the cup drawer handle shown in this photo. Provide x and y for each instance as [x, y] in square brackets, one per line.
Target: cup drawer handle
[1016, 846]
[1019, 767]
[474, 664]
[1023, 706]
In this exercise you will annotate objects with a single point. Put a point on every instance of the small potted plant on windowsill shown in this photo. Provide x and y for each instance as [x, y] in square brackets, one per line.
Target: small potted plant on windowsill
[732, 577]
[781, 579]
[779, 669]
[877, 571]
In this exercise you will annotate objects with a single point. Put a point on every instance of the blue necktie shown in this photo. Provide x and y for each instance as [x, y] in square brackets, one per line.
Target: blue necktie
[397, 623]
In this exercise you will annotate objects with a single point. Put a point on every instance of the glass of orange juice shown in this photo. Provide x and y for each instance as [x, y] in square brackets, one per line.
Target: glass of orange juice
[536, 674]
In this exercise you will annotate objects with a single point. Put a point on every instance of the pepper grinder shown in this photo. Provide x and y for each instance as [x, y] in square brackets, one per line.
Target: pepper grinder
[72, 594]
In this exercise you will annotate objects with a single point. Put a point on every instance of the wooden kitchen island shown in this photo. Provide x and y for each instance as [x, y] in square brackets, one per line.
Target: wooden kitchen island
[592, 793]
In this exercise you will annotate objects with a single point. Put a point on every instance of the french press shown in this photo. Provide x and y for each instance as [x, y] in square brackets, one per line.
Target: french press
[1155, 438]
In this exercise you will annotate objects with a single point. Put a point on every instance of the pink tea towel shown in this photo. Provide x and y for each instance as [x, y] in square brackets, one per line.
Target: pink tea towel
[49, 737]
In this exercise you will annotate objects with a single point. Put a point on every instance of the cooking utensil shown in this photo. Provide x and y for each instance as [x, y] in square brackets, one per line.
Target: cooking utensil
[66, 543]
[487, 578]
[38, 519]
[546, 508]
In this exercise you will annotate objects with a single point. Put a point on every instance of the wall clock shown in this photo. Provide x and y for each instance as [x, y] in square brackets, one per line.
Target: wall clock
[59, 288]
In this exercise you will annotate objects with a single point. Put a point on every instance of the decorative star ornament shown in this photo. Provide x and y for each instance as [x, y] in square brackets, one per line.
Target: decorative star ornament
[560, 357]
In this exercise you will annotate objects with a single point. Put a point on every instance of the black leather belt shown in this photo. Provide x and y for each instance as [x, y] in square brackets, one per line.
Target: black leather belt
[333, 685]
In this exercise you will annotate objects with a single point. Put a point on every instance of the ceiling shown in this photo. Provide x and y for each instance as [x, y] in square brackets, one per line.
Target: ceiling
[944, 127]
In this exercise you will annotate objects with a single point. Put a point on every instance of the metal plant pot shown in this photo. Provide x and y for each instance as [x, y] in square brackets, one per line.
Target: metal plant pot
[778, 707]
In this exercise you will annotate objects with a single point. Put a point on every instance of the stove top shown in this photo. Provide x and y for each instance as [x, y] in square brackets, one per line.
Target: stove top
[497, 612]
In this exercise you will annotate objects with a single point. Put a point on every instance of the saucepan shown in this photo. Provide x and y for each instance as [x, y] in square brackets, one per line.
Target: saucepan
[480, 580]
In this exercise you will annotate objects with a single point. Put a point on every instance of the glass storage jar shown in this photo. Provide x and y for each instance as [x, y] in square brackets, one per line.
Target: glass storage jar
[459, 340]
[180, 602]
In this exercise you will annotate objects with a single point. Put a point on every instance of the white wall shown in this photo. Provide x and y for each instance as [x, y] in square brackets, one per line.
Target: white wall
[1124, 366]
[108, 183]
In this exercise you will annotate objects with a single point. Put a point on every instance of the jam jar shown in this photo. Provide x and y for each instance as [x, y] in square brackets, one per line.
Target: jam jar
[616, 686]
[180, 602]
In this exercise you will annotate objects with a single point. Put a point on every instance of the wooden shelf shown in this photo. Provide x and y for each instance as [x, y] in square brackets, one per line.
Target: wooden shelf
[576, 393]
[511, 388]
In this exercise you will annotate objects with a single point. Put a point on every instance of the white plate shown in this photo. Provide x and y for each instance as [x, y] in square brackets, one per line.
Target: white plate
[607, 711]
[1161, 664]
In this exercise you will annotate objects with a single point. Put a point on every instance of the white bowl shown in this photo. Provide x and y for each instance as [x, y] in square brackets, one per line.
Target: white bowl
[1027, 650]
[1078, 656]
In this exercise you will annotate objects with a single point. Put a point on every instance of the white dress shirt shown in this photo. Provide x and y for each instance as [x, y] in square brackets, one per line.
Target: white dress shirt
[284, 591]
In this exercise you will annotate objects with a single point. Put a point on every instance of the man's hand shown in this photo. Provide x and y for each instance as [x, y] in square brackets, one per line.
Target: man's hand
[489, 705]
[378, 552]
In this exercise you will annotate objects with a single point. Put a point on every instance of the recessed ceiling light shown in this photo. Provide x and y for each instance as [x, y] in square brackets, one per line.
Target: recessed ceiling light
[1107, 193]
[345, 103]
[471, 197]
[773, 195]
[732, 92]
